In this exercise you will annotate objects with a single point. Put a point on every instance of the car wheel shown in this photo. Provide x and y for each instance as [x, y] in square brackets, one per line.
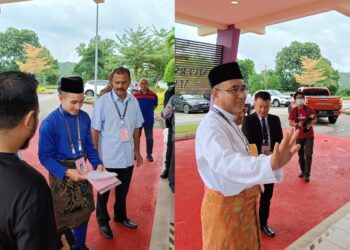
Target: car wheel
[89, 93]
[332, 119]
[276, 103]
[186, 109]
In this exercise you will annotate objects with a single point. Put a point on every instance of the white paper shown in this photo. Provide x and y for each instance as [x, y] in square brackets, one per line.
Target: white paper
[97, 175]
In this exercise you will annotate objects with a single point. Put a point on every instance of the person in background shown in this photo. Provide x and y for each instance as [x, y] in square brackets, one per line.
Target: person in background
[26, 213]
[169, 125]
[148, 101]
[229, 171]
[64, 144]
[303, 118]
[116, 123]
[263, 130]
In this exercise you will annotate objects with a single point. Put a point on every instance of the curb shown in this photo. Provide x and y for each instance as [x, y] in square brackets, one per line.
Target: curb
[187, 136]
[314, 237]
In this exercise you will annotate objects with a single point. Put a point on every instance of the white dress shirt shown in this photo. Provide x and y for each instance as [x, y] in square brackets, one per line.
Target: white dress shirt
[222, 158]
[113, 152]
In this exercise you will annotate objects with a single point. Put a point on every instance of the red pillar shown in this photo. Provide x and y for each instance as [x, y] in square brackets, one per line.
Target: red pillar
[229, 38]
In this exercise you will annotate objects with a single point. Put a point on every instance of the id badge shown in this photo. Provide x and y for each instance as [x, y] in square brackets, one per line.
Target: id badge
[265, 149]
[81, 165]
[123, 135]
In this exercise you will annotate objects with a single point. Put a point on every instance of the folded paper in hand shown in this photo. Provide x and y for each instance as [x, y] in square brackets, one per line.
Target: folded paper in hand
[98, 175]
[103, 181]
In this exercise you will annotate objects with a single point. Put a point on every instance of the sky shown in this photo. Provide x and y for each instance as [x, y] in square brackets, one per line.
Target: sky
[331, 31]
[62, 25]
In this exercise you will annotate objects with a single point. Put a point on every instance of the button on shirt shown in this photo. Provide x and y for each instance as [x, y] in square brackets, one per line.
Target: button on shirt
[105, 118]
[222, 159]
[54, 143]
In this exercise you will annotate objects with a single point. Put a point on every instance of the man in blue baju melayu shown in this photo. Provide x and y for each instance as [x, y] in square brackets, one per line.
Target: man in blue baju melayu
[64, 144]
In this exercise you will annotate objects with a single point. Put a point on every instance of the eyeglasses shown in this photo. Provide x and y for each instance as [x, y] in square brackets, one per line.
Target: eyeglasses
[234, 90]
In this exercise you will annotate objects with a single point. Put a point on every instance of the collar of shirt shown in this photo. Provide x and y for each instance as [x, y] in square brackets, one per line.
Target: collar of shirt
[144, 93]
[260, 117]
[228, 115]
[116, 98]
[65, 113]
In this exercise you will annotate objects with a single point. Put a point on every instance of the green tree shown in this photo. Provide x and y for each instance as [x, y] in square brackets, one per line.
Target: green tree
[50, 75]
[107, 59]
[247, 67]
[163, 47]
[271, 80]
[288, 62]
[135, 47]
[11, 47]
[256, 82]
[169, 75]
[331, 75]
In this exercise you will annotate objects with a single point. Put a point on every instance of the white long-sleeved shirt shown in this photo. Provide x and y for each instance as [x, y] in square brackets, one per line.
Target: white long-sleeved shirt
[222, 158]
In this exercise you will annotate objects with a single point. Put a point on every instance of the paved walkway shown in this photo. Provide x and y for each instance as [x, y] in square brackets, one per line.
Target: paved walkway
[331, 234]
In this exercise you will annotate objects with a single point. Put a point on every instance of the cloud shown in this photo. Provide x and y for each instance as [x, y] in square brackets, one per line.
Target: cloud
[329, 30]
[63, 25]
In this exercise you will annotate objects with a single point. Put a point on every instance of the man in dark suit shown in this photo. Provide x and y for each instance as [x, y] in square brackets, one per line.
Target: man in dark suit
[264, 130]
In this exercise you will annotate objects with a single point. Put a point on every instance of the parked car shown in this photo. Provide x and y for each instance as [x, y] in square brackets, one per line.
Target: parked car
[89, 87]
[191, 103]
[277, 98]
[325, 105]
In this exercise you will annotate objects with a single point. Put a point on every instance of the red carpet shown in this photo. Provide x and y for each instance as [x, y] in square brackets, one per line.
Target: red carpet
[141, 200]
[296, 206]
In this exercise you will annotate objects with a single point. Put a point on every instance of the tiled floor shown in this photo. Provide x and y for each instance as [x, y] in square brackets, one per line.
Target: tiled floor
[333, 233]
[338, 238]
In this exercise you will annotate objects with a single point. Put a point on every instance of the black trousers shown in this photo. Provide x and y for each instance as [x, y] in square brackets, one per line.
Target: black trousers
[121, 192]
[169, 148]
[305, 155]
[149, 137]
[265, 201]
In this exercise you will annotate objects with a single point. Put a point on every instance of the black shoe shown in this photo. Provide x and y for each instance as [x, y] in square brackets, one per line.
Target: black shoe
[149, 158]
[127, 223]
[165, 174]
[307, 178]
[106, 231]
[268, 230]
[301, 175]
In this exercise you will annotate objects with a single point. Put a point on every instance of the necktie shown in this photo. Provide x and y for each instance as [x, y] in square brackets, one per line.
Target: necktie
[264, 130]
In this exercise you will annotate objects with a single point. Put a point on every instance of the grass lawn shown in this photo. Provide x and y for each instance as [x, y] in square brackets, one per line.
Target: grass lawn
[160, 93]
[184, 129]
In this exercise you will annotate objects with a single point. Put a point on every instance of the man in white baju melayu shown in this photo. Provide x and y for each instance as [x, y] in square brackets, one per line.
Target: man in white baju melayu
[230, 173]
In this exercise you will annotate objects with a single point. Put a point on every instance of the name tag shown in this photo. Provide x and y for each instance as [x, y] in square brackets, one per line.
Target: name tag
[265, 149]
[81, 165]
[124, 135]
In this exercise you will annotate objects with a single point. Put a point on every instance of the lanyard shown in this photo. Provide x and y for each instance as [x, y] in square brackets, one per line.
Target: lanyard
[241, 136]
[70, 136]
[122, 117]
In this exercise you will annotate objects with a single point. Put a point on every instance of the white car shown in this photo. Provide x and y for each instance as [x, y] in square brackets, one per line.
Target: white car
[277, 98]
[89, 87]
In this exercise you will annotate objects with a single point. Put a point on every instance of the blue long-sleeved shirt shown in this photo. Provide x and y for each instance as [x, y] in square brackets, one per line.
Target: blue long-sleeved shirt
[54, 143]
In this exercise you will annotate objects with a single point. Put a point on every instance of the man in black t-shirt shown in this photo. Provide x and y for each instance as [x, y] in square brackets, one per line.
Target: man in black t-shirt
[26, 209]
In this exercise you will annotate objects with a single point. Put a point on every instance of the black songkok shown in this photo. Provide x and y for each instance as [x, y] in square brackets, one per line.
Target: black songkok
[224, 72]
[73, 84]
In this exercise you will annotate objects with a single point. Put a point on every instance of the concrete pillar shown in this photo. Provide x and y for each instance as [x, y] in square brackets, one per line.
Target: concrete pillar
[229, 38]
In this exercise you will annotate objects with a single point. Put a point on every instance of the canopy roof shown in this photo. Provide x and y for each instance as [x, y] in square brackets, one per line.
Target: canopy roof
[250, 15]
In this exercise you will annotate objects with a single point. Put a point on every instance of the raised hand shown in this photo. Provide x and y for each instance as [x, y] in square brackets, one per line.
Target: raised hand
[284, 151]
